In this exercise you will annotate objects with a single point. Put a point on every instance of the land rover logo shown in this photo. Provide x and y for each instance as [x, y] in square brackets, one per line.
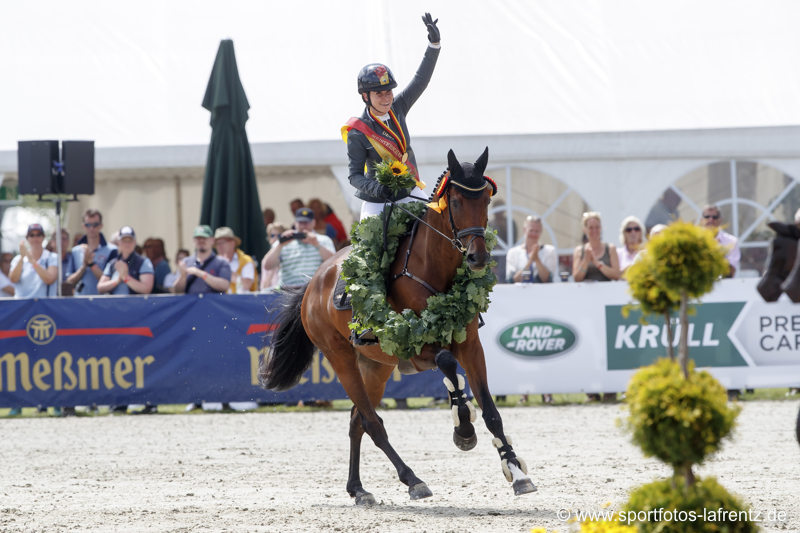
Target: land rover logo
[537, 338]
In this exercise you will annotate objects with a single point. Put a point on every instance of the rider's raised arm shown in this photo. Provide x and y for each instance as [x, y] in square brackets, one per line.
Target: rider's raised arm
[412, 92]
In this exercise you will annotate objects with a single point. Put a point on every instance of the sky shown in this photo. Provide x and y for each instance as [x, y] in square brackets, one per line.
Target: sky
[134, 74]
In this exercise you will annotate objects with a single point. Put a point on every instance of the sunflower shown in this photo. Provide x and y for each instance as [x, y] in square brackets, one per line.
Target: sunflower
[398, 168]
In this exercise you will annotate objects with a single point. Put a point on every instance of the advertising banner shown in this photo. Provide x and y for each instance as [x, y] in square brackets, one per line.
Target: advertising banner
[160, 349]
[573, 337]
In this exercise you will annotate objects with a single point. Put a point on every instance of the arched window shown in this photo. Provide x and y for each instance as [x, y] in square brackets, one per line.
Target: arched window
[749, 195]
[524, 191]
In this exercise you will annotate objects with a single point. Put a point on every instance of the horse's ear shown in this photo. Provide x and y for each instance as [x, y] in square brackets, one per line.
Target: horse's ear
[452, 162]
[483, 160]
[784, 230]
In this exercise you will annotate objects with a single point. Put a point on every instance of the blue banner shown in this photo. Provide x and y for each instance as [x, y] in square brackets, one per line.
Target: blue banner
[159, 349]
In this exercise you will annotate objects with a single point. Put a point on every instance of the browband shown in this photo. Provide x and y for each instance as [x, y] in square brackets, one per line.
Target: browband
[446, 181]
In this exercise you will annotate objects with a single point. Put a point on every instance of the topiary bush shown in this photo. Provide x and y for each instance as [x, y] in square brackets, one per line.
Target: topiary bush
[652, 297]
[679, 420]
[697, 508]
[687, 258]
[687, 261]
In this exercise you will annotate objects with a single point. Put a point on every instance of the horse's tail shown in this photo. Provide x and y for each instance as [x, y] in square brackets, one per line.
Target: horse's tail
[291, 351]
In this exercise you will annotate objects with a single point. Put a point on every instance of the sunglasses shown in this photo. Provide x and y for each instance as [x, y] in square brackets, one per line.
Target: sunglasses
[91, 224]
[36, 235]
[629, 230]
[715, 217]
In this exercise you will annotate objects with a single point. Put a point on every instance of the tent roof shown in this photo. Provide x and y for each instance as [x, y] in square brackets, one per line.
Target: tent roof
[134, 74]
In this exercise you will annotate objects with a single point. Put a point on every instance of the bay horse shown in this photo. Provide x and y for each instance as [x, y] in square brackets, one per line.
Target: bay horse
[781, 272]
[309, 321]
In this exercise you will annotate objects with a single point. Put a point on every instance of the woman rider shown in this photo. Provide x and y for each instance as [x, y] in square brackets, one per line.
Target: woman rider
[381, 132]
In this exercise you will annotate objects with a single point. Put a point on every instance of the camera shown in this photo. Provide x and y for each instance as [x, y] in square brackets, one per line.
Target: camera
[299, 236]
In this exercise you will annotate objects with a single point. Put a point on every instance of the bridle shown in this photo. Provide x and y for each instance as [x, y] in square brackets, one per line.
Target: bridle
[475, 231]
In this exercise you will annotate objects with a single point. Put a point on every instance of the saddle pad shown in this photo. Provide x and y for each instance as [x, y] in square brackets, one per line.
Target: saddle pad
[337, 297]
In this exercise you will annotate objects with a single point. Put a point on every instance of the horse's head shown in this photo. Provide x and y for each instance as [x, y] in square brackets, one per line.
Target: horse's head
[468, 193]
[781, 258]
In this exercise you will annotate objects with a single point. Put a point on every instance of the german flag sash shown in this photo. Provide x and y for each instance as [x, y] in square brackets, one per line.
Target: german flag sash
[385, 148]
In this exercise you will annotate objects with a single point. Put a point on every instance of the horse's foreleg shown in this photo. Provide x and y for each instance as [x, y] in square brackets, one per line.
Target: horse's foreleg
[354, 384]
[461, 409]
[354, 488]
[471, 357]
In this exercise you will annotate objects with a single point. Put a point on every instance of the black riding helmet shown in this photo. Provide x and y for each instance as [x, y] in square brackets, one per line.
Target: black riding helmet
[375, 77]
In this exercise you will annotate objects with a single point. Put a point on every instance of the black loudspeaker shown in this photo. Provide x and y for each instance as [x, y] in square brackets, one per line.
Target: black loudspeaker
[35, 167]
[78, 157]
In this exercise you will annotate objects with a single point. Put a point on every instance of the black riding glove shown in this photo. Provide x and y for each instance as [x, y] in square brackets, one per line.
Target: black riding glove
[433, 31]
[384, 192]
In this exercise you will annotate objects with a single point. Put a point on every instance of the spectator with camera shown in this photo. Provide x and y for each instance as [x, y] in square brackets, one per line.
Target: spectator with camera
[129, 272]
[204, 272]
[35, 270]
[90, 255]
[300, 251]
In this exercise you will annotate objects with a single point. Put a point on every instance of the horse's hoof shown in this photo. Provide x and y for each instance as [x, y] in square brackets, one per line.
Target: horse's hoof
[465, 444]
[524, 486]
[365, 498]
[419, 491]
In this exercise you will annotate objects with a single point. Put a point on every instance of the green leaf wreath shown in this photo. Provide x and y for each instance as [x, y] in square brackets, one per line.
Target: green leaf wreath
[404, 334]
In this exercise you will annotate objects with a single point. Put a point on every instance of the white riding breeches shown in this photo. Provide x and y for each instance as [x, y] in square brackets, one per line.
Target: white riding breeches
[369, 209]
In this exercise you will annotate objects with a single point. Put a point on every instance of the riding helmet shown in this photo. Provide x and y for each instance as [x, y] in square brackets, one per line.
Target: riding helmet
[375, 77]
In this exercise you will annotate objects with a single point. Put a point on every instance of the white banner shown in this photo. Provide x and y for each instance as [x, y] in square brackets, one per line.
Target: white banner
[572, 337]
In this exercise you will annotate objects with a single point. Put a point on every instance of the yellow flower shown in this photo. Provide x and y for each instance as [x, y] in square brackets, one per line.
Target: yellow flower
[538, 530]
[398, 168]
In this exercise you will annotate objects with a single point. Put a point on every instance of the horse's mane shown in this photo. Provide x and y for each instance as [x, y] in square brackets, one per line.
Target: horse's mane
[432, 197]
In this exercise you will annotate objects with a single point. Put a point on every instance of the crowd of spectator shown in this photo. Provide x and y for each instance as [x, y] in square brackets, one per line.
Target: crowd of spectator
[94, 265]
[119, 266]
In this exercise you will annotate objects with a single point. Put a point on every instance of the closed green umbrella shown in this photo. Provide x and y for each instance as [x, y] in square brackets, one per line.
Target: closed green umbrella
[230, 195]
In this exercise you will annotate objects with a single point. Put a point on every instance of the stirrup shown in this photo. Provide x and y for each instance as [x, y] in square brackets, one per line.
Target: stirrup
[365, 338]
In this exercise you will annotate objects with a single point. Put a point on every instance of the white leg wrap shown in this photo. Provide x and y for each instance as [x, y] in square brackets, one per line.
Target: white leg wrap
[461, 383]
[522, 465]
[449, 385]
[454, 412]
[472, 414]
[506, 470]
[508, 438]
[511, 471]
